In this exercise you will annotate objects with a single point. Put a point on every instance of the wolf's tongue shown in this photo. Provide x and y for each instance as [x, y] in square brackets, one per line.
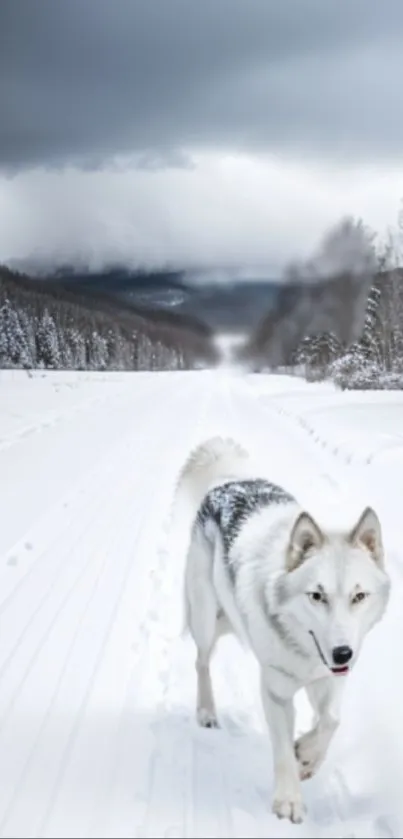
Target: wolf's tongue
[340, 670]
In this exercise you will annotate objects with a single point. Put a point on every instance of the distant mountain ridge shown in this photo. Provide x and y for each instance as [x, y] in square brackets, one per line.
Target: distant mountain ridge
[231, 306]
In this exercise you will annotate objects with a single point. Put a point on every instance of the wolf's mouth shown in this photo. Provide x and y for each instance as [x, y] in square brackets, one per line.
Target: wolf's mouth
[338, 671]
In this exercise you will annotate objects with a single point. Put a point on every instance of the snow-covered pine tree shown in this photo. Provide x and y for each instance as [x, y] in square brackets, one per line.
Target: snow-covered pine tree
[4, 357]
[76, 343]
[370, 340]
[28, 328]
[98, 351]
[14, 350]
[144, 353]
[47, 342]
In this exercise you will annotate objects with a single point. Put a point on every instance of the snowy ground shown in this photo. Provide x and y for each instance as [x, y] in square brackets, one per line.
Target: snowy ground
[97, 735]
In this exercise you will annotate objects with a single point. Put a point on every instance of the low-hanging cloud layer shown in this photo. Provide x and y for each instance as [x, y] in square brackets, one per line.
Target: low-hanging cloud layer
[213, 133]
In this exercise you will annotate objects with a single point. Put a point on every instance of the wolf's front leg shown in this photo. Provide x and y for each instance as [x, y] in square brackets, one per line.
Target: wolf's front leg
[311, 749]
[279, 713]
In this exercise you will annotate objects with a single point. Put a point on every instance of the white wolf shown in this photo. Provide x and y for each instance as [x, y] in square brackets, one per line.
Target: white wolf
[302, 597]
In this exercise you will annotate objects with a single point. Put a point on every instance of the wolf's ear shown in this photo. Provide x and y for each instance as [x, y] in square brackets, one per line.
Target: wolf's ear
[305, 535]
[367, 534]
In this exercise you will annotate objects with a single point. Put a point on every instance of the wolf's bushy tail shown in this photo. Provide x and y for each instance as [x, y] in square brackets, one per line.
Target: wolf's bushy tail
[212, 461]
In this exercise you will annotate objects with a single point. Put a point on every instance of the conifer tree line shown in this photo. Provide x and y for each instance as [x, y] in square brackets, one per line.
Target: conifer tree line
[44, 328]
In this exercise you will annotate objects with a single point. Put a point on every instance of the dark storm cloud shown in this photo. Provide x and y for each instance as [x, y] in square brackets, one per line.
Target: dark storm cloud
[83, 80]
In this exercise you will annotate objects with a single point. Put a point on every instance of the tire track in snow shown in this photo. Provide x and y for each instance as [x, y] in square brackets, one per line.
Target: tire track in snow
[148, 679]
[97, 564]
[142, 579]
[78, 753]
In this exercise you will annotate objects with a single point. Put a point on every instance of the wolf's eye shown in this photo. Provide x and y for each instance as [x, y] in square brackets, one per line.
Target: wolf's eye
[317, 596]
[359, 597]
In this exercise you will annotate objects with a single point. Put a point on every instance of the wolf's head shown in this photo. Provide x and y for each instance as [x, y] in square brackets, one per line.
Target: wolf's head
[335, 587]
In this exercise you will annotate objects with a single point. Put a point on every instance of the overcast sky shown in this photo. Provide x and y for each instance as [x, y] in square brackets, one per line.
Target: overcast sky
[213, 133]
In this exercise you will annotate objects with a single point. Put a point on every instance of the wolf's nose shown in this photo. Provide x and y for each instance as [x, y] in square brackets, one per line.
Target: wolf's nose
[342, 655]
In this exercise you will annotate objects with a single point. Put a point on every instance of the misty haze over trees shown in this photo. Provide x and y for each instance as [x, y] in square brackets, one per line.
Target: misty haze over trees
[340, 314]
[337, 315]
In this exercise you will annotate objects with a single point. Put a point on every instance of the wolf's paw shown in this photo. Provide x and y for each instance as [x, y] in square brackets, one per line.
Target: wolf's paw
[207, 719]
[310, 754]
[289, 806]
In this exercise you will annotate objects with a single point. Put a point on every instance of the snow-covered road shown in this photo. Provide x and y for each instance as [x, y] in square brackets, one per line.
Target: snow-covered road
[97, 731]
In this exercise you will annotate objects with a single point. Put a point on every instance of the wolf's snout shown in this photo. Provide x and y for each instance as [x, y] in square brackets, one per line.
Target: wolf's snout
[342, 655]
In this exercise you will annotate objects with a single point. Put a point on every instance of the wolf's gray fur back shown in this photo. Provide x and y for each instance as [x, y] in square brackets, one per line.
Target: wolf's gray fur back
[211, 462]
[230, 505]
